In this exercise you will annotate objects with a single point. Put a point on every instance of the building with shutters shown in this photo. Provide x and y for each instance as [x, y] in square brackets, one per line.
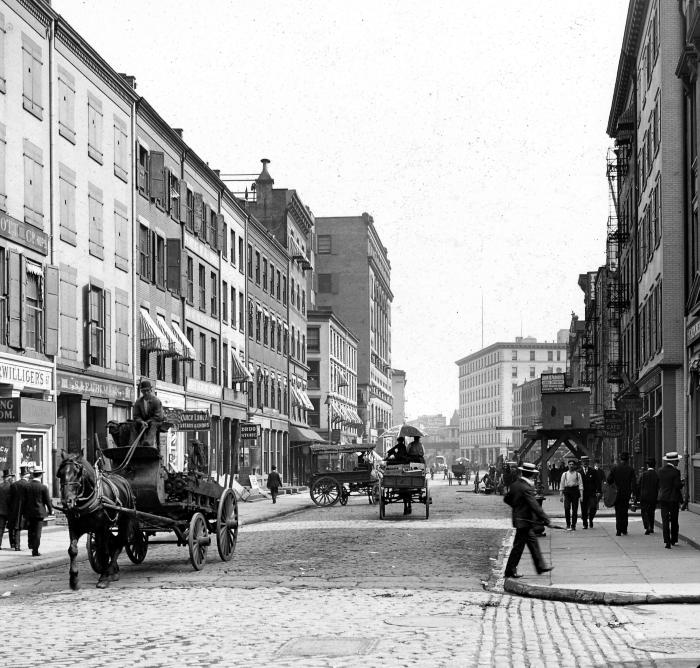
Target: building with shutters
[354, 279]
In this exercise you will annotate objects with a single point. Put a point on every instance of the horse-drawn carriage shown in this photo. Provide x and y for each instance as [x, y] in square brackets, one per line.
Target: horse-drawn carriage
[404, 483]
[342, 470]
[130, 496]
[460, 471]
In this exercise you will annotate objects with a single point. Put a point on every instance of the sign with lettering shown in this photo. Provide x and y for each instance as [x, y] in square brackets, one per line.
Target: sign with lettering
[249, 430]
[254, 483]
[194, 421]
[7, 453]
[71, 384]
[9, 409]
[23, 233]
[693, 331]
[28, 376]
[553, 382]
[613, 423]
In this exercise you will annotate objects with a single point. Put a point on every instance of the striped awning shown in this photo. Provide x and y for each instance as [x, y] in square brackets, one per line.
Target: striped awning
[188, 352]
[175, 347]
[239, 374]
[296, 397]
[152, 339]
[305, 401]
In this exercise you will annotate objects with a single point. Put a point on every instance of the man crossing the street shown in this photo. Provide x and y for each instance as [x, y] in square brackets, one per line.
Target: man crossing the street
[592, 489]
[570, 493]
[670, 497]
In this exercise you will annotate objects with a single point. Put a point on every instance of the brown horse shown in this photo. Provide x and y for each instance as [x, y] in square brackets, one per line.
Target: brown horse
[83, 493]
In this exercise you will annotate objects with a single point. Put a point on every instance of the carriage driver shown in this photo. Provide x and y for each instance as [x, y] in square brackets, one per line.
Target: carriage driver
[148, 410]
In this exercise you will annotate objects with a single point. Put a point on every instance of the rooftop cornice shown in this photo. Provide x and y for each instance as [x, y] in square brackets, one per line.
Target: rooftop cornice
[299, 212]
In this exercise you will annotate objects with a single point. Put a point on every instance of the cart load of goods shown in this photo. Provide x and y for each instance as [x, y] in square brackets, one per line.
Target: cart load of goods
[404, 475]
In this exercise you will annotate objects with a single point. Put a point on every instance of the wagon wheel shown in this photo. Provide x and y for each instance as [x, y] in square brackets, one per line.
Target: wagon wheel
[427, 500]
[326, 491]
[382, 505]
[344, 495]
[198, 541]
[137, 548]
[95, 558]
[374, 493]
[227, 525]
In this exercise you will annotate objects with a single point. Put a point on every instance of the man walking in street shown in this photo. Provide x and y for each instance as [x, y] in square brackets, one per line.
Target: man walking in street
[18, 492]
[527, 514]
[592, 489]
[5, 504]
[37, 507]
[670, 497]
[274, 482]
[623, 477]
[648, 494]
[571, 492]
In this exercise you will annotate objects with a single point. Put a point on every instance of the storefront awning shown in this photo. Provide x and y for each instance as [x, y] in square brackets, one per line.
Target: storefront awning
[303, 435]
[188, 352]
[296, 397]
[239, 374]
[305, 401]
[152, 339]
[175, 348]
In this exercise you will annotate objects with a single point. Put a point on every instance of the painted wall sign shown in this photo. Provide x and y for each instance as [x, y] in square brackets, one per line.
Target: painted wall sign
[24, 234]
[553, 382]
[9, 409]
[194, 421]
[693, 332]
[71, 384]
[250, 430]
[27, 376]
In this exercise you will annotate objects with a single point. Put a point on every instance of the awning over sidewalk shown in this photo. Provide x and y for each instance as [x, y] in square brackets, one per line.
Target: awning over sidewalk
[303, 435]
[188, 352]
[175, 347]
[239, 374]
[152, 339]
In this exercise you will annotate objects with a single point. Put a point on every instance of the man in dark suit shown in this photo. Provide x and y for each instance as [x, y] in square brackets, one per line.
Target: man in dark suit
[670, 497]
[6, 503]
[18, 491]
[648, 493]
[148, 410]
[622, 475]
[37, 507]
[527, 514]
[592, 489]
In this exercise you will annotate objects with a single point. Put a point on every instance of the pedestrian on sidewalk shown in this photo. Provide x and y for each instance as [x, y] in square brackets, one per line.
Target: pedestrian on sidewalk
[526, 515]
[648, 494]
[570, 494]
[670, 497]
[37, 507]
[5, 503]
[18, 490]
[623, 477]
[274, 482]
[592, 490]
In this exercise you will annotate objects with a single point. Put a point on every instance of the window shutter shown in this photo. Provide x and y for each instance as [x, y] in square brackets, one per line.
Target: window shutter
[15, 298]
[206, 214]
[221, 227]
[157, 176]
[198, 204]
[167, 201]
[107, 296]
[174, 271]
[88, 317]
[183, 201]
[51, 311]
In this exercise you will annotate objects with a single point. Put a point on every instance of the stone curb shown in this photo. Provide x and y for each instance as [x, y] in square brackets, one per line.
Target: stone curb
[51, 562]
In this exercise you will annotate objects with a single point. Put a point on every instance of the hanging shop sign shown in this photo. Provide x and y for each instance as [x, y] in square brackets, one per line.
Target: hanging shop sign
[24, 234]
[250, 431]
[613, 423]
[187, 420]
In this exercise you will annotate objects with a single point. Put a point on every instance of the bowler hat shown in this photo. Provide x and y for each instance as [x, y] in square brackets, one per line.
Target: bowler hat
[145, 385]
[671, 456]
[37, 470]
[528, 468]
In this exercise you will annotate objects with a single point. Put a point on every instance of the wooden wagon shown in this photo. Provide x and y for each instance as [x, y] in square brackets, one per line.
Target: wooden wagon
[404, 483]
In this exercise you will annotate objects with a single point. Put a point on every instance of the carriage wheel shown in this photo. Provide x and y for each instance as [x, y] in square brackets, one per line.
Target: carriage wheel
[227, 525]
[198, 541]
[382, 505]
[427, 500]
[326, 491]
[344, 495]
[374, 493]
[137, 549]
[95, 557]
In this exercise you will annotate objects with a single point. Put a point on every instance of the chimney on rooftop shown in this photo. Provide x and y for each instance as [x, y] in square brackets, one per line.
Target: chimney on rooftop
[179, 132]
[130, 79]
[264, 184]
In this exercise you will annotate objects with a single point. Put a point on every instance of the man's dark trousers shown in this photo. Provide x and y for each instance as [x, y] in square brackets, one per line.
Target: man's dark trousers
[589, 507]
[622, 513]
[669, 520]
[648, 508]
[34, 527]
[524, 536]
[571, 498]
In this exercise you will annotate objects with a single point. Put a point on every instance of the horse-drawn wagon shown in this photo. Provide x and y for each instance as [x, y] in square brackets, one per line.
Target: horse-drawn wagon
[460, 470]
[404, 483]
[342, 470]
[130, 496]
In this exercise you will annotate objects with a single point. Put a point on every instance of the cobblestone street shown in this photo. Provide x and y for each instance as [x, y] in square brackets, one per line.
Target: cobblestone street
[323, 587]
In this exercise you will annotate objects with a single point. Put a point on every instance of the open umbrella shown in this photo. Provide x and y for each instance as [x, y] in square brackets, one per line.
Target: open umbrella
[411, 431]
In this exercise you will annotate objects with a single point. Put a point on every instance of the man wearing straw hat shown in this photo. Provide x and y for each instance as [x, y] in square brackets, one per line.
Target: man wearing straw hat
[670, 497]
[527, 513]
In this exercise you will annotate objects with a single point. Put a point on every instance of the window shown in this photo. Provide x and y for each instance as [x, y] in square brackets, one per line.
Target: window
[98, 318]
[264, 275]
[189, 213]
[94, 128]
[174, 197]
[31, 67]
[303, 348]
[550, 355]
[279, 283]
[121, 330]
[156, 171]
[233, 307]
[284, 290]
[240, 254]
[121, 236]
[279, 337]
[224, 239]
[325, 283]
[214, 378]
[202, 288]
[202, 357]
[214, 295]
[324, 244]
[257, 268]
[224, 302]
[233, 247]
[66, 213]
[142, 171]
[145, 253]
[272, 279]
[514, 355]
[96, 224]
[33, 185]
[250, 318]
[291, 291]
[33, 308]
[224, 365]
[258, 324]
[314, 376]
[159, 260]
[303, 302]
[314, 341]
[214, 229]
[273, 329]
[66, 105]
[558, 355]
[190, 280]
[121, 158]
[532, 372]
[250, 261]
[241, 311]
[266, 328]
[514, 372]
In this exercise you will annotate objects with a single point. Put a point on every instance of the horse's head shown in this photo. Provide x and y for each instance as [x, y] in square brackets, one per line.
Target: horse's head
[74, 473]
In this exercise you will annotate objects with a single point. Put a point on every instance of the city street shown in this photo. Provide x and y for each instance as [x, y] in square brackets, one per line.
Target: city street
[325, 587]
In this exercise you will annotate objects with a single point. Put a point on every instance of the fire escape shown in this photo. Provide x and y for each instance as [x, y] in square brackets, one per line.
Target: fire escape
[589, 354]
[617, 291]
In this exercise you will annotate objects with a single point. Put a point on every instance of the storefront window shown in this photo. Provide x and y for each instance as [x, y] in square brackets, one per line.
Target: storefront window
[7, 453]
[32, 450]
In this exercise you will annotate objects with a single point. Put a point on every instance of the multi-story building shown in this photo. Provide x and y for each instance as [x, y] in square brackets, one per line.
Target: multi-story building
[646, 121]
[527, 409]
[398, 397]
[487, 379]
[354, 279]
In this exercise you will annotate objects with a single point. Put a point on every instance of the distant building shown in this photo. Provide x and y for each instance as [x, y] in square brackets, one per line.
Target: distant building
[398, 393]
[487, 379]
[527, 408]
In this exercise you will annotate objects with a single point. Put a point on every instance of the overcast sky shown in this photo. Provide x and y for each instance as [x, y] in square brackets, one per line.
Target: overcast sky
[473, 131]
